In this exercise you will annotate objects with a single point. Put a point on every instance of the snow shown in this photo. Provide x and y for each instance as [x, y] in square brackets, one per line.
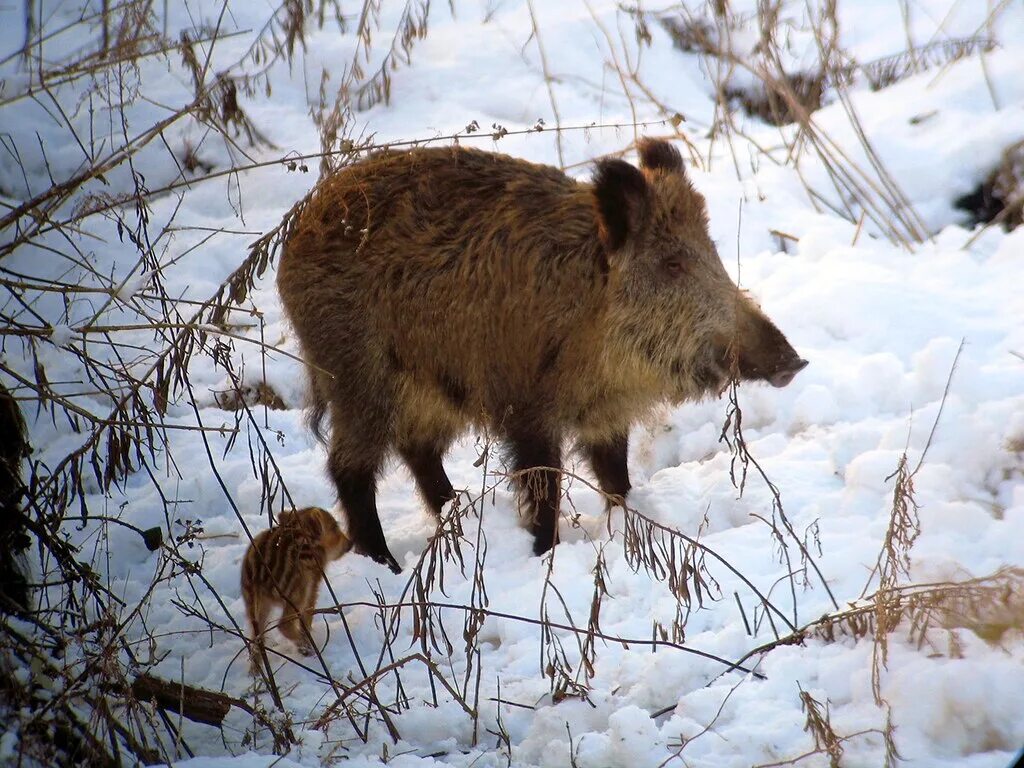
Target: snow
[133, 285]
[62, 335]
[881, 324]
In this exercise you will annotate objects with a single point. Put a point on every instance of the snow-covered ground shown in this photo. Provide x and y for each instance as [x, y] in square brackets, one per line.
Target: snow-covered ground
[880, 323]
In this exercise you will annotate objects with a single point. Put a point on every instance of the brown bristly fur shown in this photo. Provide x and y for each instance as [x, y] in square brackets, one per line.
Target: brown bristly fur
[443, 288]
[283, 568]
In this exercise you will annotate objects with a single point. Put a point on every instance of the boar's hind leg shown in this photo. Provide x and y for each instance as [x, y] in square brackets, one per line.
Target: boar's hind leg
[424, 462]
[542, 487]
[608, 460]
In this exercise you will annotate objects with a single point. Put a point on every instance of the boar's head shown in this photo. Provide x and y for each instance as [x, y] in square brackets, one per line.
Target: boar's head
[672, 301]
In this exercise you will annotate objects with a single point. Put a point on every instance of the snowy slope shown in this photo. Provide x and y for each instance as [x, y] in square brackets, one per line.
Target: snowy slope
[880, 323]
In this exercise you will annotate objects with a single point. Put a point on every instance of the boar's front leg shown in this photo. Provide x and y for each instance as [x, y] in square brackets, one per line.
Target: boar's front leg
[537, 460]
[357, 451]
[357, 491]
[608, 460]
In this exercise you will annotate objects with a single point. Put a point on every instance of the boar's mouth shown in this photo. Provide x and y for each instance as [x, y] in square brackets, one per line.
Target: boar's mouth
[778, 372]
[721, 365]
[784, 375]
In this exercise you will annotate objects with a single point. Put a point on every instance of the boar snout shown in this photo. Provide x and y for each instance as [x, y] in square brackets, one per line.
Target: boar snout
[761, 352]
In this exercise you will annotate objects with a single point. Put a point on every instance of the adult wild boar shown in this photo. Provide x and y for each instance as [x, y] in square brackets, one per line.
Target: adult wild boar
[436, 289]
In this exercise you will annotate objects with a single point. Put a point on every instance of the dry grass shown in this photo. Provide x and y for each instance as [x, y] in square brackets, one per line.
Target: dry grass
[999, 199]
[135, 348]
[883, 72]
[769, 90]
[827, 742]
[988, 606]
[807, 91]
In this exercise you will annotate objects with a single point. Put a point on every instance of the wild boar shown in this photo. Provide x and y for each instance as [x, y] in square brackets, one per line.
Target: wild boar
[442, 288]
[282, 568]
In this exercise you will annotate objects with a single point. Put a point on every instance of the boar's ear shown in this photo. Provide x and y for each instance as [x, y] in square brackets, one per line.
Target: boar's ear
[657, 155]
[622, 195]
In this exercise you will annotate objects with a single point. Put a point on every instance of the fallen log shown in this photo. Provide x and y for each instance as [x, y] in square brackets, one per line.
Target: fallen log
[197, 704]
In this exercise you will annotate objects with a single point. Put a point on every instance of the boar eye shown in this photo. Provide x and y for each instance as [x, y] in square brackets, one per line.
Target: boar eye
[673, 266]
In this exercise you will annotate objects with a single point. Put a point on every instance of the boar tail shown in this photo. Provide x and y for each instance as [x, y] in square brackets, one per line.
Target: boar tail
[317, 409]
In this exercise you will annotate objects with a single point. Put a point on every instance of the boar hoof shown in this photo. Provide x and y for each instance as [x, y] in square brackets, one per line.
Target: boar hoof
[541, 546]
[384, 558]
